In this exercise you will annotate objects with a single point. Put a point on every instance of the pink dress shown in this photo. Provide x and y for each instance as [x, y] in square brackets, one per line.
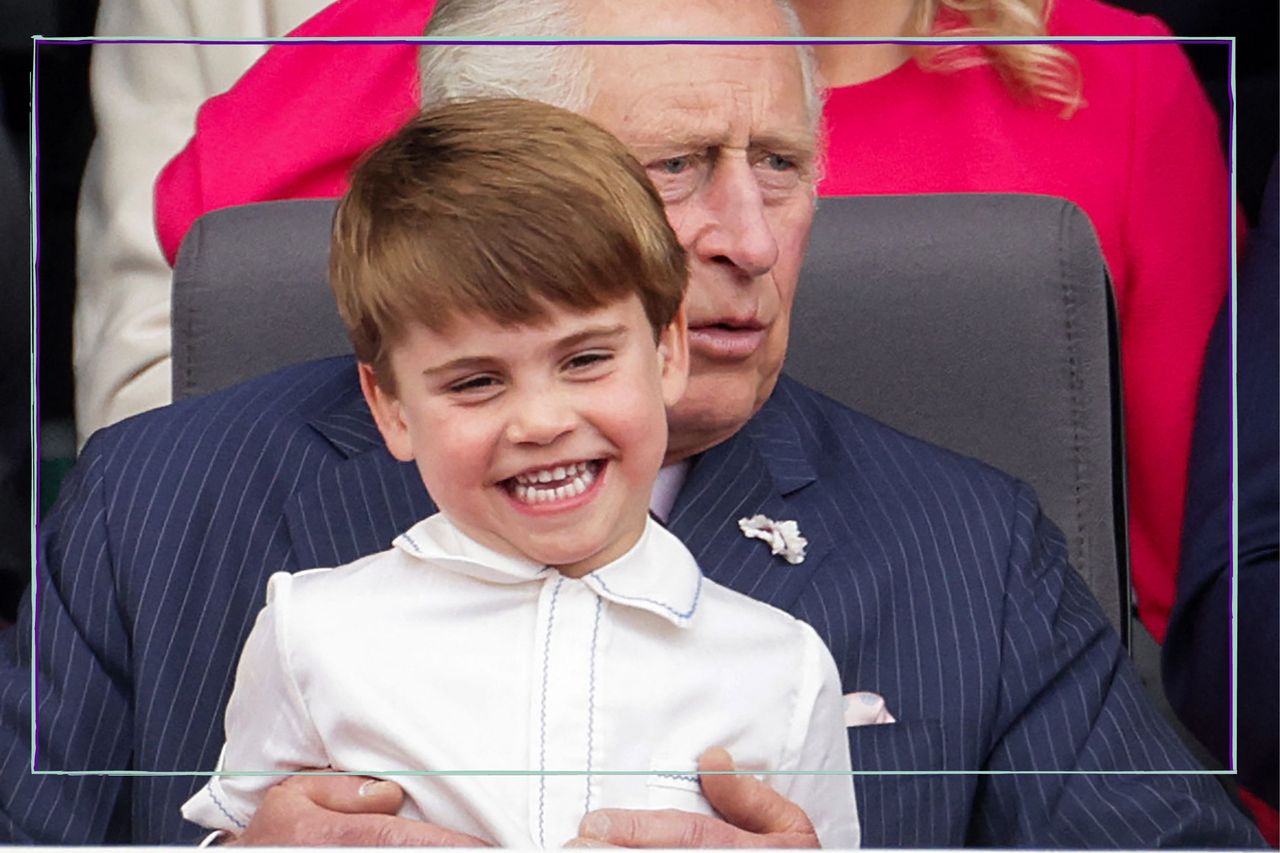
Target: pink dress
[1142, 159]
[295, 123]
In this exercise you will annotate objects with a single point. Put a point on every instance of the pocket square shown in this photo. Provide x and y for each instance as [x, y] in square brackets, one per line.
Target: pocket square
[865, 708]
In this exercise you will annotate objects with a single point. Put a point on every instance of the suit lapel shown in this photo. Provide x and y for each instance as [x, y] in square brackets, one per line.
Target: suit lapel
[761, 470]
[358, 504]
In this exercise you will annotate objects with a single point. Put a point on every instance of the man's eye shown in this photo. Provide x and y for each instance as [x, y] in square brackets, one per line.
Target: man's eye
[779, 163]
[674, 165]
[676, 177]
[778, 173]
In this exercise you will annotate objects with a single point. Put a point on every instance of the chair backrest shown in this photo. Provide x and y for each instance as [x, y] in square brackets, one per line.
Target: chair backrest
[980, 322]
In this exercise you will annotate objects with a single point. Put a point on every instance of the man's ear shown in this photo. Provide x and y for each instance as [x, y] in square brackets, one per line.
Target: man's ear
[673, 358]
[387, 414]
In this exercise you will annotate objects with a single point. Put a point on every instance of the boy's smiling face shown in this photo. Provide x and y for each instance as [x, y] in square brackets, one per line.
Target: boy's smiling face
[537, 440]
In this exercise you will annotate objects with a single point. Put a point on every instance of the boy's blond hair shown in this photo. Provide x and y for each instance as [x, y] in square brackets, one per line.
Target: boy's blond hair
[499, 208]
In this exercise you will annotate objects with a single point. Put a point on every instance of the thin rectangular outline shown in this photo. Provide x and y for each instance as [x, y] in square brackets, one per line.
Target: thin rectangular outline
[1229, 41]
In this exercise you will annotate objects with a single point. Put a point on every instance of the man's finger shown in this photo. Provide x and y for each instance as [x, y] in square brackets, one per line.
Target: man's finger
[384, 831]
[347, 794]
[754, 815]
[745, 801]
[345, 811]
[663, 828]
[587, 842]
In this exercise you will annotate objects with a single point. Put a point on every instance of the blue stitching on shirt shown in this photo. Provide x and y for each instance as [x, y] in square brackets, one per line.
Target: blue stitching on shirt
[591, 699]
[542, 744]
[697, 593]
[682, 777]
[412, 544]
[223, 808]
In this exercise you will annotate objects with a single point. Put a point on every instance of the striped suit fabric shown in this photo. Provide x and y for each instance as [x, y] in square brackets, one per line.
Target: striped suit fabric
[935, 581]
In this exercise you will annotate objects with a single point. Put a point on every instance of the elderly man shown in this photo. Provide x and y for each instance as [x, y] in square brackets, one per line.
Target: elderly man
[933, 579]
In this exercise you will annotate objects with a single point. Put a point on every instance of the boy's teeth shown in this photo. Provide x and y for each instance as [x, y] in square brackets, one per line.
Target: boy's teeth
[551, 475]
[529, 488]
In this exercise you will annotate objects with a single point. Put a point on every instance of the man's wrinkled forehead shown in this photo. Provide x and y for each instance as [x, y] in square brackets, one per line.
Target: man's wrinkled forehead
[725, 115]
[733, 96]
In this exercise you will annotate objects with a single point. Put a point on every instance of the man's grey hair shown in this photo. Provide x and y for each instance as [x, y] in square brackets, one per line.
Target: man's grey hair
[559, 75]
[553, 74]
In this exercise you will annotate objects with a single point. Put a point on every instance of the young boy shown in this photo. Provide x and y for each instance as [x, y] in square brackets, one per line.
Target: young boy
[513, 293]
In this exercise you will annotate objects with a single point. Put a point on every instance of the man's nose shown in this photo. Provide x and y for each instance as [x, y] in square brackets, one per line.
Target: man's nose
[735, 230]
[540, 416]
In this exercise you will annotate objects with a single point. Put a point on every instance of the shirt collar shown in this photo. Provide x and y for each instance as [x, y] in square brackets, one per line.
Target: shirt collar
[657, 575]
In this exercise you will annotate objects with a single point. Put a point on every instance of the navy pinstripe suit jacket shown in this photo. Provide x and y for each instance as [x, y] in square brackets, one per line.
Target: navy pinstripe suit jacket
[934, 579]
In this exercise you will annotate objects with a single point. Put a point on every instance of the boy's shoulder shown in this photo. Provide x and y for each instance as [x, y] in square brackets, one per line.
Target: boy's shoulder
[330, 586]
[721, 615]
[431, 563]
[732, 615]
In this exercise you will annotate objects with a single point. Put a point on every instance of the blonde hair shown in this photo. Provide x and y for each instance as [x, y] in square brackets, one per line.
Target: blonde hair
[500, 208]
[1036, 71]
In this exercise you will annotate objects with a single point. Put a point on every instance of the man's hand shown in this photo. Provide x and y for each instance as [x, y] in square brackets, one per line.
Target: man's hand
[341, 811]
[754, 814]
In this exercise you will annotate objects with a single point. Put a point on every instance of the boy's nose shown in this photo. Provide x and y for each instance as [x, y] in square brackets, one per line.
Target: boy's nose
[540, 418]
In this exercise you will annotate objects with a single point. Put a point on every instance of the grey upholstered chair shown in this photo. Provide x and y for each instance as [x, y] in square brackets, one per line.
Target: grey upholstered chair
[980, 322]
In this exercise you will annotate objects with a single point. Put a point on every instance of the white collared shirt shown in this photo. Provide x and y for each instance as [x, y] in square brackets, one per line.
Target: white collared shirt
[441, 654]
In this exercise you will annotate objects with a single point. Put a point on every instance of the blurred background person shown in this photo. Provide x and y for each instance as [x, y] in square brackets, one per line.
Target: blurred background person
[145, 98]
[1196, 655]
[1123, 130]
[65, 131]
[15, 437]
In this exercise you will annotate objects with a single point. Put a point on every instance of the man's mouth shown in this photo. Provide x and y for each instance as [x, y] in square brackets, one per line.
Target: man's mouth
[553, 483]
[726, 339]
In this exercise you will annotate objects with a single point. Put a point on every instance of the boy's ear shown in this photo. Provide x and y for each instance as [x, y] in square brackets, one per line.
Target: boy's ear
[673, 358]
[386, 414]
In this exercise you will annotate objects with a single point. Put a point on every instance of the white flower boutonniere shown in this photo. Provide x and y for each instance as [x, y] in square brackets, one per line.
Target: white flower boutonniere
[783, 536]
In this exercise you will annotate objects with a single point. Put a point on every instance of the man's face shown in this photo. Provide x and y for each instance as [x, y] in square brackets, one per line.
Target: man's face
[724, 134]
[541, 441]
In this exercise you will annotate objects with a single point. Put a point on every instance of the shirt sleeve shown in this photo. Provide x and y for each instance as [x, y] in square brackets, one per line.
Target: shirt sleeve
[816, 761]
[269, 732]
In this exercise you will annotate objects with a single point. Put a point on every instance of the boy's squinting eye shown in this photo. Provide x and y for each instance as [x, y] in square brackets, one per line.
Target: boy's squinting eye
[584, 362]
[473, 385]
